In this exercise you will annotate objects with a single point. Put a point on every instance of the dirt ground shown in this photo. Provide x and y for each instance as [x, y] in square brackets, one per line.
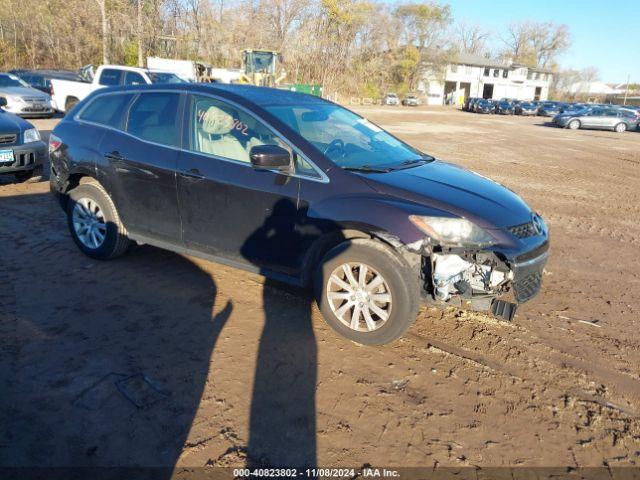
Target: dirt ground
[160, 359]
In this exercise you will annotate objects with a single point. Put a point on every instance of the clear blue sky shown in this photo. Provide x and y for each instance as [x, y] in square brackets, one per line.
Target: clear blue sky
[605, 34]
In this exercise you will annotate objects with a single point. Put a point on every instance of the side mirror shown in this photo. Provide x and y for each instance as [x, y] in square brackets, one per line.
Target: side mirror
[3, 102]
[270, 157]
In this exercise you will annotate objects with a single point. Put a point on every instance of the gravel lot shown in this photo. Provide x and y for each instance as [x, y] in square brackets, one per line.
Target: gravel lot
[160, 359]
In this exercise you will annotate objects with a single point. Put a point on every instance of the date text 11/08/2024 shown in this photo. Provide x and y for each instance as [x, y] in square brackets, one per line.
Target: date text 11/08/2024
[316, 472]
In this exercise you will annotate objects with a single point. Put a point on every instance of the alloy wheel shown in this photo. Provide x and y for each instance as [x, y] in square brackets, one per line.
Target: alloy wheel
[359, 297]
[89, 223]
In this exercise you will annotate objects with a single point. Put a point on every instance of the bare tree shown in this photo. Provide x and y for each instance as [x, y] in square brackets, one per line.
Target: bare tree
[536, 44]
[471, 39]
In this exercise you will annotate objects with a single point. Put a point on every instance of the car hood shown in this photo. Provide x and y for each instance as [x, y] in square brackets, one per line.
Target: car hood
[453, 189]
[10, 123]
[24, 92]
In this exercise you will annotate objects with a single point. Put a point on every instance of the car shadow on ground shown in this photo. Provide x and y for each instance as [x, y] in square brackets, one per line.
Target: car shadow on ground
[105, 363]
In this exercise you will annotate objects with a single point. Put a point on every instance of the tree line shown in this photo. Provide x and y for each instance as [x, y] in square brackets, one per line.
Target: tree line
[359, 47]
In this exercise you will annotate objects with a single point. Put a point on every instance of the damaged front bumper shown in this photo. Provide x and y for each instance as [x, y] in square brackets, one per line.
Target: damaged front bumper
[482, 279]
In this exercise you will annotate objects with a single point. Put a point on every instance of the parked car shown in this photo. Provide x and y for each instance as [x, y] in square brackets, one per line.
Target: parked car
[526, 108]
[23, 100]
[598, 118]
[484, 106]
[22, 152]
[504, 107]
[411, 101]
[549, 109]
[67, 93]
[41, 79]
[391, 99]
[466, 105]
[299, 189]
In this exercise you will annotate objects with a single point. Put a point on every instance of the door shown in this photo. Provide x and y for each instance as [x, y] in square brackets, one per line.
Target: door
[227, 208]
[487, 91]
[593, 119]
[537, 94]
[140, 162]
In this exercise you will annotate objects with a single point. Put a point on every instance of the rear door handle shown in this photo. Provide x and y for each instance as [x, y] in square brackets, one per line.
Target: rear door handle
[192, 173]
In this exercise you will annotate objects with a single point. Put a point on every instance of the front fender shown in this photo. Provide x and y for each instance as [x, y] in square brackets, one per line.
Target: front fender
[372, 214]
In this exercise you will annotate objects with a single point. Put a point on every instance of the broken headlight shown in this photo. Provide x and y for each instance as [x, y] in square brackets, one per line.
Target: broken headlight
[452, 231]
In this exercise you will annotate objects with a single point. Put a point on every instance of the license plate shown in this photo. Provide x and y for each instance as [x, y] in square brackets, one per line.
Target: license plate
[6, 156]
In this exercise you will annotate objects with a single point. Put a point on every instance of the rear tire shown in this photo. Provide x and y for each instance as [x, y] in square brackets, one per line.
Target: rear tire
[574, 125]
[367, 310]
[29, 176]
[94, 222]
[621, 127]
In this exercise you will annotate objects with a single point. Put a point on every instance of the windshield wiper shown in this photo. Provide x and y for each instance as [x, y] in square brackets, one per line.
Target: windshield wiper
[368, 169]
[413, 163]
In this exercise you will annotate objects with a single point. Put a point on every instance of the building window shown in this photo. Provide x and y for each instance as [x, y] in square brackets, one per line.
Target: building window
[486, 71]
[505, 73]
[530, 75]
[537, 77]
[496, 72]
[454, 68]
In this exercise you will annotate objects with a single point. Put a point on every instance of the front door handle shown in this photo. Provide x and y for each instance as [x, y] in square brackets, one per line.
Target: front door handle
[192, 173]
[115, 156]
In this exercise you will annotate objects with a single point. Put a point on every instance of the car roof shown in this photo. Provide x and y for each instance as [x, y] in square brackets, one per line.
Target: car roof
[261, 96]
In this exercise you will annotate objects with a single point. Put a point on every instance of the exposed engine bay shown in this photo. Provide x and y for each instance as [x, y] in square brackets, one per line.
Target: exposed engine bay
[469, 275]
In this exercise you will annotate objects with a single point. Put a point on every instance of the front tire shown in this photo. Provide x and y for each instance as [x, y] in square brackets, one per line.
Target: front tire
[621, 127]
[574, 125]
[94, 223]
[366, 292]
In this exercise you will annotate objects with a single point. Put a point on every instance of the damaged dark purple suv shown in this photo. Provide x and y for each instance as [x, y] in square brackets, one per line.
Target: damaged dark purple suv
[298, 189]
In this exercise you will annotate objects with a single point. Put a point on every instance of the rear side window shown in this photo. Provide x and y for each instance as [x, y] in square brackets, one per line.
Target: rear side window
[153, 117]
[110, 77]
[106, 110]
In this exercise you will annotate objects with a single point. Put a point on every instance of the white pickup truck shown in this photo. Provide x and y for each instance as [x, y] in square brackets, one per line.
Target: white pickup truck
[66, 93]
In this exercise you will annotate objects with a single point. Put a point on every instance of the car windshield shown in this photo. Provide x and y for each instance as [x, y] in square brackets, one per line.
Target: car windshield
[162, 77]
[348, 140]
[11, 81]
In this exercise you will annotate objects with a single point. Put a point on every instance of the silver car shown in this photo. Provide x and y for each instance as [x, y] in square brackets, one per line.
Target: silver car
[22, 99]
[601, 118]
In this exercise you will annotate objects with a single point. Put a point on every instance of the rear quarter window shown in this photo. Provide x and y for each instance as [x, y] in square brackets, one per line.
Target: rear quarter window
[107, 110]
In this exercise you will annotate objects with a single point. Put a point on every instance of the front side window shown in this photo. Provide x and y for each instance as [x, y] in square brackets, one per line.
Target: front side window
[222, 130]
[153, 117]
[163, 77]
[133, 78]
[106, 110]
[110, 77]
[345, 138]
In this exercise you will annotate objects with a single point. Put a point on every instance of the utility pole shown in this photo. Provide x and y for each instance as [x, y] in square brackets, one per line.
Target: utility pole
[626, 90]
[140, 34]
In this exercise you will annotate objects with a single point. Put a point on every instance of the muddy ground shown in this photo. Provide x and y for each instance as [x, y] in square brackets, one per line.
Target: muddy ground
[160, 359]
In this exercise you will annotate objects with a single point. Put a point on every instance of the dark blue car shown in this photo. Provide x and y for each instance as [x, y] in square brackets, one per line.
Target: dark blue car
[299, 189]
[22, 153]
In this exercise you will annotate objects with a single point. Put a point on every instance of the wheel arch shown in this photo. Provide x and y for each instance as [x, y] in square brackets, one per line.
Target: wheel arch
[329, 240]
